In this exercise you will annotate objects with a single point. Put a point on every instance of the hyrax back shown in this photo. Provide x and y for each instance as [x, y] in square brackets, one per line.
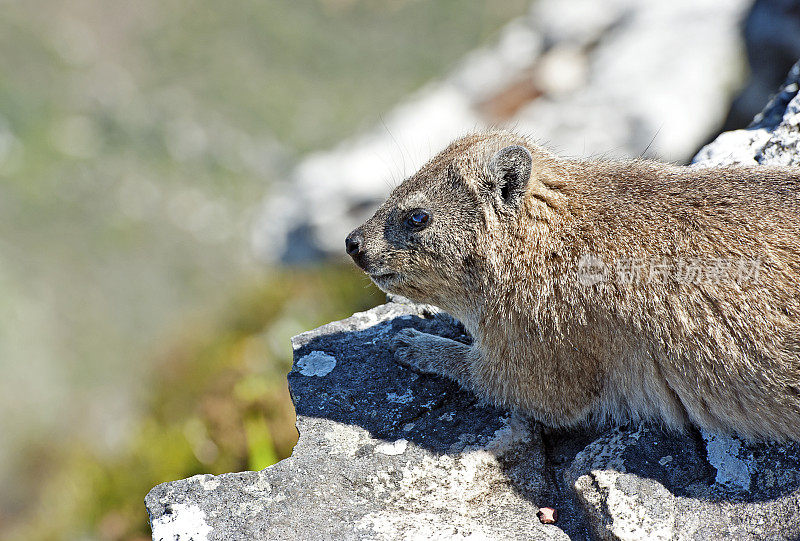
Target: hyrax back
[601, 290]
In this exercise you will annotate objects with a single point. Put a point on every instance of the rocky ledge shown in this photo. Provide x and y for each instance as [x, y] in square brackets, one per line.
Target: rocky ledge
[387, 454]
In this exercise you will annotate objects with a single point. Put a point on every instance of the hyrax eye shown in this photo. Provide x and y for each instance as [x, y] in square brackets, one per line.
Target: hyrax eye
[418, 219]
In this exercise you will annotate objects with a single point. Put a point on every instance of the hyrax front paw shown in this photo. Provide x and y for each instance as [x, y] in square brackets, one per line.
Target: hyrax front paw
[412, 350]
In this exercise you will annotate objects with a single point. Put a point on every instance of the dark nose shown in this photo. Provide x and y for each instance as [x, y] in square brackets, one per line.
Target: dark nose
[353, 243]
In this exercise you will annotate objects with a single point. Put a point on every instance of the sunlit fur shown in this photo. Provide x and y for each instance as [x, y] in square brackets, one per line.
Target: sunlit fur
[724, 356]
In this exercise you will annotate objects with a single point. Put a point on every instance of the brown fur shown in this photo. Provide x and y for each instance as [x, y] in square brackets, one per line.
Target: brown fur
[722, 354]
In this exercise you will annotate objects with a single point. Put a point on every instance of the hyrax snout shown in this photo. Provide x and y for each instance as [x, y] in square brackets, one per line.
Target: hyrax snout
[601, 290]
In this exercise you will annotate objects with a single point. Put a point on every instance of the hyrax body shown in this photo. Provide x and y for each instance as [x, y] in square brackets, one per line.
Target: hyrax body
[601, 290]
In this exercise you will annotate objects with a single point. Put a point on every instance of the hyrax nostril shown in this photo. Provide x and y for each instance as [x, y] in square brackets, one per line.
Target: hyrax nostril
[353, 244]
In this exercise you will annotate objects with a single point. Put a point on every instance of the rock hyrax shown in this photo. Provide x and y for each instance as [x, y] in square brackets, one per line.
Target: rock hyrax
[601, 290]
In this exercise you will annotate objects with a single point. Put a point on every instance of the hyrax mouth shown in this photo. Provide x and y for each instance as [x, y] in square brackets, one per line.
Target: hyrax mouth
[385, 279]
[384, 275]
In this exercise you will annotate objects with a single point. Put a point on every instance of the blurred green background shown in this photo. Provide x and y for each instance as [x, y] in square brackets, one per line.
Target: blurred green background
[140, 342]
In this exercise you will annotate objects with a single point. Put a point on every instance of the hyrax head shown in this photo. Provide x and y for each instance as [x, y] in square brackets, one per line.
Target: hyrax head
[428, 240]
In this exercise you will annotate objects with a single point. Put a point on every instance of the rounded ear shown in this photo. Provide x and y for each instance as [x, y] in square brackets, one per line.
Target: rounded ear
[511, 171]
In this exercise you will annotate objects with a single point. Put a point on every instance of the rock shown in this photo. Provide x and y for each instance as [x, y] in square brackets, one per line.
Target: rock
[772, 39]
[548, 515]
[588, 78]
[636, 100]
[387, 454]
[644, 484]
[773, 138]
[383, 454]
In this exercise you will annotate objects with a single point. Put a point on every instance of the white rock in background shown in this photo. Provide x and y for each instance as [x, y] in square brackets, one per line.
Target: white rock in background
[616, 78]
[659, 72]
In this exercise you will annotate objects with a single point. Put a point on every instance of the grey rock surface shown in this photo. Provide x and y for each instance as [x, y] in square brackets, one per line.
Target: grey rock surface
[387, 454]
[383, 454]
[643, 484]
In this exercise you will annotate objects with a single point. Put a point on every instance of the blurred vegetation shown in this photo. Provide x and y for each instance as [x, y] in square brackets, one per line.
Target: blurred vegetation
[139, 340]
[218, 402]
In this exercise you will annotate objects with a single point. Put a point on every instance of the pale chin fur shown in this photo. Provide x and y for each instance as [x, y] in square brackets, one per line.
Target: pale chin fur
[386, 281]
